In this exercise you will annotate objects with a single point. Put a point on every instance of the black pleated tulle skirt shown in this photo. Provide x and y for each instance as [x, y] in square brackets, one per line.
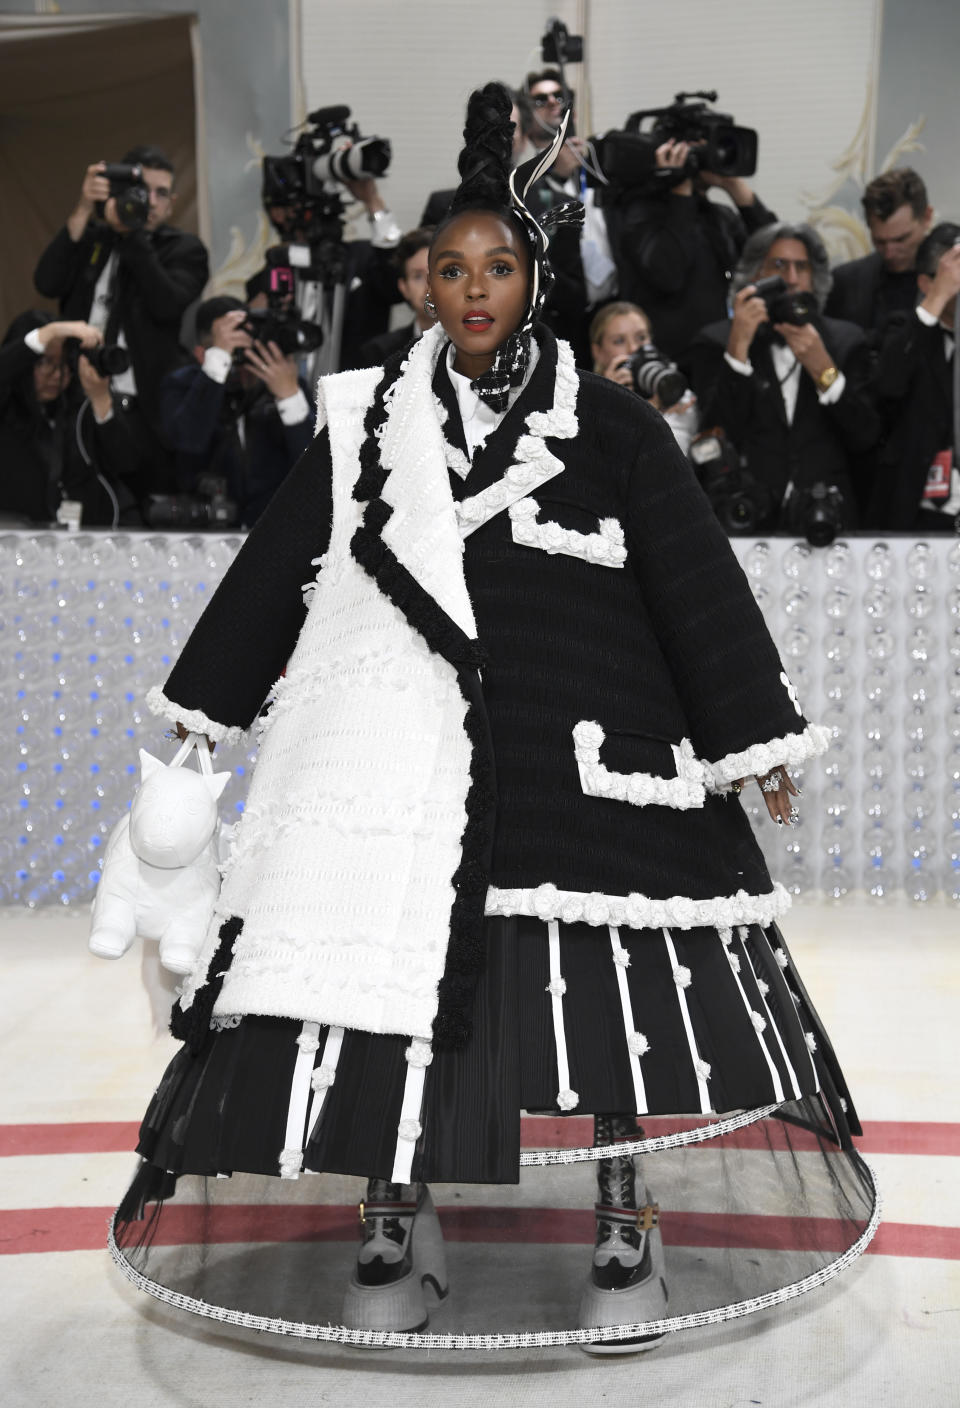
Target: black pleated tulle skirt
[707, 1036]
[716, 1023]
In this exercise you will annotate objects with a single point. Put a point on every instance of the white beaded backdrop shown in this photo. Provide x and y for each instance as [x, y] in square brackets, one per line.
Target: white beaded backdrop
[869, 631]
[804, 76]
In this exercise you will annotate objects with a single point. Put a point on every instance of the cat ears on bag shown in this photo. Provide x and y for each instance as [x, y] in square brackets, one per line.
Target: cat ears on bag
[215, 781]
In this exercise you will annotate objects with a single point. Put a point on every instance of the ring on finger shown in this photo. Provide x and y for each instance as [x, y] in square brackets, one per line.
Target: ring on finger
[772, 783]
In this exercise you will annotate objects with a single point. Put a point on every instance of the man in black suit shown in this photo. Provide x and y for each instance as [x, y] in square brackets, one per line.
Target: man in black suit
[791, 397]
[868, 291]
[237, 413]
[917, 484]
[411, 262]
[135, 285]
[674, 248]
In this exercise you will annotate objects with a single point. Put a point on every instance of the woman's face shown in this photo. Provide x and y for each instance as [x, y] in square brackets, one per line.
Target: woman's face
[479, 278]
[623, 335]
[51, 375]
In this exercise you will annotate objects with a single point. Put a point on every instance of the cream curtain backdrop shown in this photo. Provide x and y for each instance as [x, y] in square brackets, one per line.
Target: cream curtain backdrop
[803, 76]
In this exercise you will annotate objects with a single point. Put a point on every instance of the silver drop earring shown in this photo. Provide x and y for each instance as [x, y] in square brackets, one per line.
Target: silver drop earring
[430, 307]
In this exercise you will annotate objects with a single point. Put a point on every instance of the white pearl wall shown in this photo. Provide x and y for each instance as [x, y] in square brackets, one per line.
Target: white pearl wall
[869, 631]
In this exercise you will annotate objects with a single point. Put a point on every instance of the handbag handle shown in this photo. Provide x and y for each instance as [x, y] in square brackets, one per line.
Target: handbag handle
[198, 741]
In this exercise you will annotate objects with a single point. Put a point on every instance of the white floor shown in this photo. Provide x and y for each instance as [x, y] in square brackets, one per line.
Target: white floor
[78, 1043]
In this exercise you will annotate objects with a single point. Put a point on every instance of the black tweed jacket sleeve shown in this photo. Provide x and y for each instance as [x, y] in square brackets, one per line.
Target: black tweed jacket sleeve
[724, 665]
[245, 636]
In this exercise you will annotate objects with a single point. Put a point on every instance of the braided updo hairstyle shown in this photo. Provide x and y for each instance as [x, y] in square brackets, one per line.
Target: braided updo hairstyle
[486, 159]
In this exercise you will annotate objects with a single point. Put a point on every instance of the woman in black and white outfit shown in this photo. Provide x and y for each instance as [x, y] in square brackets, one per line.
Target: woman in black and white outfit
[493, 861]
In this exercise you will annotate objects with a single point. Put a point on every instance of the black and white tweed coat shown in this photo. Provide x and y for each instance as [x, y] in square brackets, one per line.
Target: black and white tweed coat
[616, 672]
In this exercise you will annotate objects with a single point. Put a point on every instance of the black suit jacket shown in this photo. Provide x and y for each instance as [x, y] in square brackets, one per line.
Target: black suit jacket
[201, 424]
[916, 400]
[674, 255]
[865, 294]
[158, 276]
[822, 442]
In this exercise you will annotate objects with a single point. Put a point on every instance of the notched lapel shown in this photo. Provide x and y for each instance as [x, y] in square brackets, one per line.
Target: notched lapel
[516, 459]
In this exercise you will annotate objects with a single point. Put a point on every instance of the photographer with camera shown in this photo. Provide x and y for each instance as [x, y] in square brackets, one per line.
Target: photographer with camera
[238, 417]
[119, 265]
[869, 291]
[788, 386]
[624, 352]
[673, 247]
[917, 483]
[60, 441]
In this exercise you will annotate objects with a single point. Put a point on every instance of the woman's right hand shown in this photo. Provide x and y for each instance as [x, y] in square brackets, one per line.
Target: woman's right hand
[184, 733]
[86, 335]
[620, 372]
[749, 312]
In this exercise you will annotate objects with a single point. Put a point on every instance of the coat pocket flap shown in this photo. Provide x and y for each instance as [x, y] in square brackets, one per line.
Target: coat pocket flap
[602, 545]
[638, 769]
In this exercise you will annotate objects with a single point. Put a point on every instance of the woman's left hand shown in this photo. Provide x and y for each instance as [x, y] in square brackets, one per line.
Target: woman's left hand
[778, 793]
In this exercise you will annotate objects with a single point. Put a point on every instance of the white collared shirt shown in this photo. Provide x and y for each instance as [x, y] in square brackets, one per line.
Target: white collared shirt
[479, 419]
[788, 373]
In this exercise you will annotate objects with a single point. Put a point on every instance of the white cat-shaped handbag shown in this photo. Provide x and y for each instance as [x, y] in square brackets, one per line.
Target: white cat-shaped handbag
[161, 874]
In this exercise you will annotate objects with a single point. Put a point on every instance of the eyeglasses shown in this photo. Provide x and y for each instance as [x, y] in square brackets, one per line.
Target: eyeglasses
[540, 100]
[783, 266]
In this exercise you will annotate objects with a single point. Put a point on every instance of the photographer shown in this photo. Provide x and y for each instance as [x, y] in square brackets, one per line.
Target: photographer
[917, 484]
[785, 384]
[870, 290]
[59, 437]
[119, 265]
[411, 264]
[238, 414]
[674, 248]
[624, 352]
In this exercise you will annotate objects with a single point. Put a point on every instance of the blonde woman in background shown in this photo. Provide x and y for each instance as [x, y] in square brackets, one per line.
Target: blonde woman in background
[617, 332]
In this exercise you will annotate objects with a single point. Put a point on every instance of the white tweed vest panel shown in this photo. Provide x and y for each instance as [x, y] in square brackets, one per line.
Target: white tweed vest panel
[342, 863]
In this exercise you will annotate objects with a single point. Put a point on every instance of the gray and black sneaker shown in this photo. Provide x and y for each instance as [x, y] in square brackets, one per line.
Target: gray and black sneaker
[401, 1254]
[626, 1284]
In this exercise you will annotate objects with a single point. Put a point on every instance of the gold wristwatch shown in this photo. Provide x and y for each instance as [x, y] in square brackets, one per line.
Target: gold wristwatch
[826, 378]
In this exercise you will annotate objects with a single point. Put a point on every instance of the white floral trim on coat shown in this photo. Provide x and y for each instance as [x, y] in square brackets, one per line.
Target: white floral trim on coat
[640, 789]
[193, 720]
[790, 751]
[639, 911]
[603, 548]
[534, 463]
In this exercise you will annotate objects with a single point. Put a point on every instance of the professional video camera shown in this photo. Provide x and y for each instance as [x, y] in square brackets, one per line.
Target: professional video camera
[741, 503]
[627, 158]
[818, 512]
[300, 191]
[130, 192]
[109, 359]
[797, 307]
[654, 375]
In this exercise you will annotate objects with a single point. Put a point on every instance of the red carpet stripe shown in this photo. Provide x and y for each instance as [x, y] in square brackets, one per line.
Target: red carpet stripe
[880, 1136]
[85, 1229]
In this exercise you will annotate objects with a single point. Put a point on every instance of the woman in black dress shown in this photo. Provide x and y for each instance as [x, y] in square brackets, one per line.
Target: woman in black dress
[493, 861]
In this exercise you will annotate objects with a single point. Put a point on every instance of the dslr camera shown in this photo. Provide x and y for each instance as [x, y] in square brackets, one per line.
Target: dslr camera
[208, 508]
[131, 193]
[654, 375]
[292, 334]
[818, 512]
[628, 157]
[797, 307]
[108, 359]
